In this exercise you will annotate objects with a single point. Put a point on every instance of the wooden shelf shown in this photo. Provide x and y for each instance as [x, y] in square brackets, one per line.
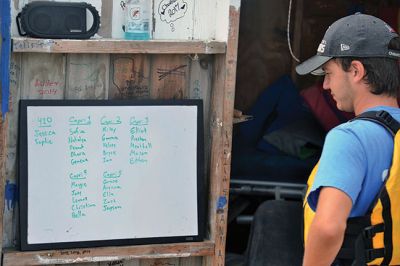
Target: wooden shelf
[32, 45]
[82, 255]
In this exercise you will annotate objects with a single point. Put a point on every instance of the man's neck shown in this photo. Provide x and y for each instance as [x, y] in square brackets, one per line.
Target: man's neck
[371, 101]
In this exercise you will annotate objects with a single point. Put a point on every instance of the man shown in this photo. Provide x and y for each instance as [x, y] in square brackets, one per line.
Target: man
[359, 56]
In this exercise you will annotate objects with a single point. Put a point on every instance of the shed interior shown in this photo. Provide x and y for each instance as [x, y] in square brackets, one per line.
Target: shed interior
[282, 118]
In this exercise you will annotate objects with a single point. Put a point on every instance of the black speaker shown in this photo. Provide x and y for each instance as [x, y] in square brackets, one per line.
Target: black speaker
[58, 20]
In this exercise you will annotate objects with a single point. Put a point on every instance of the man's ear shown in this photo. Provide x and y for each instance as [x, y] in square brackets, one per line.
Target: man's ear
[357, 70]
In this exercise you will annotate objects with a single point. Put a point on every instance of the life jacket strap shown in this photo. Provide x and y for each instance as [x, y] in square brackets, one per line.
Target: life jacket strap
[363, 250]
[383, 118]
[371, 231]
[371, 254]
[357, 245]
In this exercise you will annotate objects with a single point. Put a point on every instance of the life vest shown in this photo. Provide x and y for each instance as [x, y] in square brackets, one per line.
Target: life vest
[373, 239]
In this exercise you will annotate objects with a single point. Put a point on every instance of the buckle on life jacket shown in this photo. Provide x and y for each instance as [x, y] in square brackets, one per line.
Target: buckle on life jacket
[370, 231]
[368, 234]
[385, 116]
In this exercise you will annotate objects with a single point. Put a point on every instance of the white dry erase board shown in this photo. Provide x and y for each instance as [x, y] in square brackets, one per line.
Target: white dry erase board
[96, 173]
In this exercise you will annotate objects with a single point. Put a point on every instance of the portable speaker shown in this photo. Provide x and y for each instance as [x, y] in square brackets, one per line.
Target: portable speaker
[58, 20]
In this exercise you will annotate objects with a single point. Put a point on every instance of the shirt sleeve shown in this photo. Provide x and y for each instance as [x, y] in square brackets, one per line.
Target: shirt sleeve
[342, 165]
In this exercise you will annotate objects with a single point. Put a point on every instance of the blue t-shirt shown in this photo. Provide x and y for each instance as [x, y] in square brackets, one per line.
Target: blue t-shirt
[356, 159]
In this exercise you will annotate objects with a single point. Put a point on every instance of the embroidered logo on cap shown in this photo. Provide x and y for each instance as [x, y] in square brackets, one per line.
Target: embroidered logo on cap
[344, 47]
[321, 47]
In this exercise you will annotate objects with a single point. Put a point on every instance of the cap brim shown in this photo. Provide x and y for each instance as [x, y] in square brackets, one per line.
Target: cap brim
[312, 65]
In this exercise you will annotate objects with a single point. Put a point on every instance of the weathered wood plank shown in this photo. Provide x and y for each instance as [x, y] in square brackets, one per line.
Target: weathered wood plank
[169, 77]
[218, 198]
[135, 262]
[200, 88]
[3, 156]
[43, 76]
[11, 189]
[191, 261]
[103, 254]
[130, 77]
[200, 79]
[160, 262]
[21, 44]
[222, 116]
[87, 76]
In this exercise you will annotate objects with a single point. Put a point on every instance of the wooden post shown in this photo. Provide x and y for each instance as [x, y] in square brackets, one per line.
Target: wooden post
[3, 159]
[223, 99]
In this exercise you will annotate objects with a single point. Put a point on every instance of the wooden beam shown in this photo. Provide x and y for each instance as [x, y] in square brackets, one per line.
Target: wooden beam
[21, 44]
[3, 159]
[83, 255]
[221, 137]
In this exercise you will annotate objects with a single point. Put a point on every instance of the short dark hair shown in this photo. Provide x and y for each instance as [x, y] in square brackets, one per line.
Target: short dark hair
[382, 74]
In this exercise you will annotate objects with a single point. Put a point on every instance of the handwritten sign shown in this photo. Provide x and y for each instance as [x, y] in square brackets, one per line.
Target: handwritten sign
[171, 10]
[174, 19]
[96, 172]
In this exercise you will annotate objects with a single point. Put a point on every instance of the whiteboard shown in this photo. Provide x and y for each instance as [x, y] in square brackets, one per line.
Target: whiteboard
[96, 173]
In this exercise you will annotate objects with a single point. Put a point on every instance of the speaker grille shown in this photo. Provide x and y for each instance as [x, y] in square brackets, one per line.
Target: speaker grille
[73, 23]
[41, 22]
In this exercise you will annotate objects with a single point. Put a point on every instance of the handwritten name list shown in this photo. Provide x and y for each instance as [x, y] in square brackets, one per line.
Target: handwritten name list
[77, 141]
[44, 131]
[111, 176]
[80, 179]
[140, 146]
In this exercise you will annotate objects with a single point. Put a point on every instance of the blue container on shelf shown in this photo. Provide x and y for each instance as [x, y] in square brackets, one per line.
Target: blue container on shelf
[137, 19]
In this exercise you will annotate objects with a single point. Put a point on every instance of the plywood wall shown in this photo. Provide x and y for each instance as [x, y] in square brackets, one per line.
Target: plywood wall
[99, 76]
[171, 19]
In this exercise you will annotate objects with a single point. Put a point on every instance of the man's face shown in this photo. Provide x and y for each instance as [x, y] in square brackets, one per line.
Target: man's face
[337, 81]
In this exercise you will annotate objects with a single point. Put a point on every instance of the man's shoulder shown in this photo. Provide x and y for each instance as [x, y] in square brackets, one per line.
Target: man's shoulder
[393, 111]
[359, 126]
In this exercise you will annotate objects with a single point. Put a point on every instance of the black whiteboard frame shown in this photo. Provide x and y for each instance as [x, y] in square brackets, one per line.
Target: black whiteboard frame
[23, 175]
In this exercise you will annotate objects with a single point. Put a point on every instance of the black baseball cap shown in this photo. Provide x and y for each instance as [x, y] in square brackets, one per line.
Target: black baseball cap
[357, 35]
